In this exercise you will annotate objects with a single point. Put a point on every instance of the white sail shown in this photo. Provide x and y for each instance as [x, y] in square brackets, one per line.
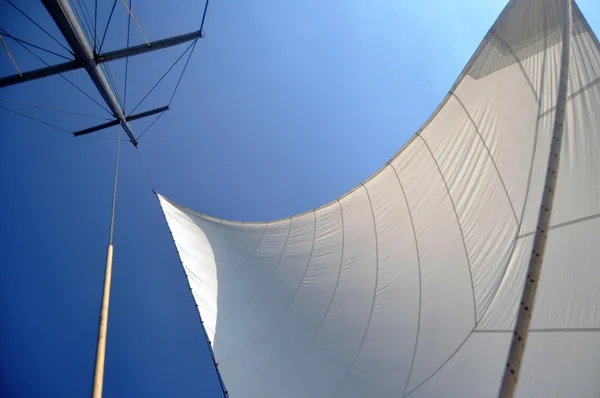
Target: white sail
[409, 285]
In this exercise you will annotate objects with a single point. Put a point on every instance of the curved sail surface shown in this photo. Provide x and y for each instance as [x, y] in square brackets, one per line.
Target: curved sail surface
[409, 285]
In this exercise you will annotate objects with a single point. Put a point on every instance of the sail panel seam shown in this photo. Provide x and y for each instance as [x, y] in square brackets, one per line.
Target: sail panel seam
[462, 235]
[478, 133]
[374, 289]
[412, 223]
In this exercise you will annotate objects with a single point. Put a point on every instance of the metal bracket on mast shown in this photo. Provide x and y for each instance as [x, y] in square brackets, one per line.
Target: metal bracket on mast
[99, 59]
[116, 122]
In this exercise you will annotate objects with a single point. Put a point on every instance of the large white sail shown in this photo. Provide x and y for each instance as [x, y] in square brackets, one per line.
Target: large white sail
[409, 285]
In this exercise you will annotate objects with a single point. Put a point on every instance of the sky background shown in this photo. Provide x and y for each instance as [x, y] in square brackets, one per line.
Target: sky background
[285, 106]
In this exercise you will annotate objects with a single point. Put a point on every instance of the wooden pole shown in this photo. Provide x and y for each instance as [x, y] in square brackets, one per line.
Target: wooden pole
[102, 327]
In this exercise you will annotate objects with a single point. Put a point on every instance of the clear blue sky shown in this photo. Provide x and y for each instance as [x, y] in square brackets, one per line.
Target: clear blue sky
[285, 106]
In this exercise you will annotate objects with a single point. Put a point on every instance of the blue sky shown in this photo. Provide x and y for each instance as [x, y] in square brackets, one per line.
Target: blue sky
[284, 106]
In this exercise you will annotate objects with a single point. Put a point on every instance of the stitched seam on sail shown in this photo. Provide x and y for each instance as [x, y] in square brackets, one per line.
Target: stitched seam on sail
[412, 223]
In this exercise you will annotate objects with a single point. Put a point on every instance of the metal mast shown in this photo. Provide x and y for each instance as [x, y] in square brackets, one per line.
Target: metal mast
[63, 16]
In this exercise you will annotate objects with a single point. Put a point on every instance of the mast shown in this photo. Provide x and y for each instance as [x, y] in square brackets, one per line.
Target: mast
[63, 16]
[87, 58]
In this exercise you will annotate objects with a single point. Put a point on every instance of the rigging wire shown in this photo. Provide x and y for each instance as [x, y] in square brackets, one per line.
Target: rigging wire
[83, 21]
[5, 33]
[107, 25]
[114, 199]
[88, 16]
[10, 56]
[163, 76]
[204, 15]
[87, 28]
[151, 124]
[69, 81]
[38, 25]
[36, 119]
[136, 22]
[127, 58]
[95, 24]
[53, 109]
[146, 169]
[183, 71]
[111, 81]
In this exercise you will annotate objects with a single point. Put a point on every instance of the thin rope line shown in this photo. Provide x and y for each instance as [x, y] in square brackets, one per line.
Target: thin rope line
[53, 109]
[146, 169]
[33, 118]
[38, 25]
[114, 199]
[546, 330]
[161, 79]
[82, 21]
[95, 24]
[10, 56]
[564, 224]
[127, 58]
[5, 33]
[88, 16]
[571, 96]
[183, 71]
[136, 22]
[204, 16]
[107, 25]
[111, 82]
[86, 13]
[151, 124]
[70, 82]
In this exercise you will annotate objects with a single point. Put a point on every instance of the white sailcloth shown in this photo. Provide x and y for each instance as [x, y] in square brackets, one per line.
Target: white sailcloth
[409, 285]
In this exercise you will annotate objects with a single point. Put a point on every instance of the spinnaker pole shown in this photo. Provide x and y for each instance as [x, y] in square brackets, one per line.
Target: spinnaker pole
[103, 324]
